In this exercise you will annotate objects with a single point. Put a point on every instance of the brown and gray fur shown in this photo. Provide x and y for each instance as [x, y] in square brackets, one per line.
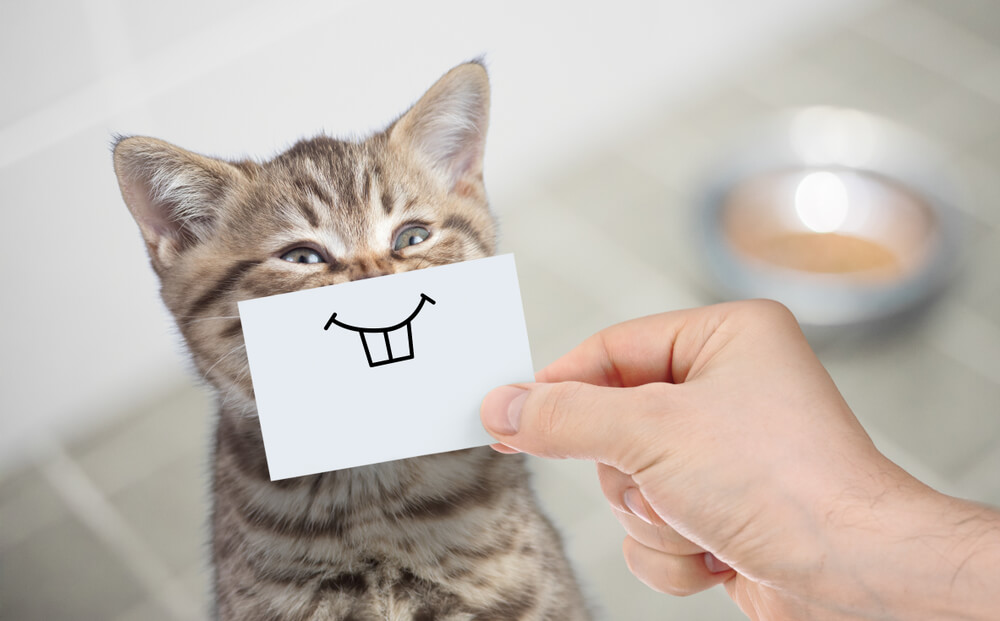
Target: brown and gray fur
[456, 536]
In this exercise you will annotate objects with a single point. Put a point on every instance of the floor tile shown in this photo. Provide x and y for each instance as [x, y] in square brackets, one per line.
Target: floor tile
[970, 339]
[63, 572]
[979, 166]
[957, 117]
[613, 275]
[548, 300]
[633, 209]
[568, 490]
[197, 582]
[981, 481]
[680, 148]
[985, 79]
[979, 187]
[874, 78]
[989, 151]
[978, 17]
[925, 38]
[977, 279]
[145, 611]
[795, 82]
[27, 504]
[132, 448]
[169, 509]
[932, 406]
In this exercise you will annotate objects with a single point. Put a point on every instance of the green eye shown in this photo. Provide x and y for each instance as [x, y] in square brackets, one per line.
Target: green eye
[410, 236]
[303, 255]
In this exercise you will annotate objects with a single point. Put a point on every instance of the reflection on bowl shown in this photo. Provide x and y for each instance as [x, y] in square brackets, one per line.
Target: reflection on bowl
[842, 216]
[854, 224]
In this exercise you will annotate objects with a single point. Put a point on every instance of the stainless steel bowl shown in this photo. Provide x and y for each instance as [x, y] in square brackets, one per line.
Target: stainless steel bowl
[845, 217]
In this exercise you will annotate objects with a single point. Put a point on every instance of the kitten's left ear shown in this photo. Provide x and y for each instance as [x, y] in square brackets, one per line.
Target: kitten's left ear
[173, 194]
[447, 127]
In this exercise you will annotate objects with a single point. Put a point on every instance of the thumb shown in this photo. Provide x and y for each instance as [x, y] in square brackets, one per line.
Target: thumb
[573, 419]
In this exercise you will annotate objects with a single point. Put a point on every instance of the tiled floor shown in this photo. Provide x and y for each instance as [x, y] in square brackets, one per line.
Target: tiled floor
[113, 527]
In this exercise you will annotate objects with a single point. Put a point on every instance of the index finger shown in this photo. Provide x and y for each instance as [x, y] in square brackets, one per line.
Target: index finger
[657, 348]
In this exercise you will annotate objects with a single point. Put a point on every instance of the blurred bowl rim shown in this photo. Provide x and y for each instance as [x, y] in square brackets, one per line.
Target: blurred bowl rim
[897, 153]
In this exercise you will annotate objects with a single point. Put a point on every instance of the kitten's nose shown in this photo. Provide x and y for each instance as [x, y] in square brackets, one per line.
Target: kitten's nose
[372, 269]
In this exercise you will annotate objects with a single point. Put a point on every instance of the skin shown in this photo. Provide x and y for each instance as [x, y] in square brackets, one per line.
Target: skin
[729, 456]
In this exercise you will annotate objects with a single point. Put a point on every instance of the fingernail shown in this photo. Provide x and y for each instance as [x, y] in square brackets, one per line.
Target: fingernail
[502, 409]
[636, 504]
[715, 565]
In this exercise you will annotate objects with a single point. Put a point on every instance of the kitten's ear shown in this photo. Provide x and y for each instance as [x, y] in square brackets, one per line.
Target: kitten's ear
[172, 193]
[447, 127]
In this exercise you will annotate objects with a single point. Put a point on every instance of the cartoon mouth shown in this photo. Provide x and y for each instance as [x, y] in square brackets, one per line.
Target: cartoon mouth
[385, 345]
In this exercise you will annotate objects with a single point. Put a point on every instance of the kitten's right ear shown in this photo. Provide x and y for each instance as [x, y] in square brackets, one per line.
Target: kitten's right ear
[172, 193]
[446, 128]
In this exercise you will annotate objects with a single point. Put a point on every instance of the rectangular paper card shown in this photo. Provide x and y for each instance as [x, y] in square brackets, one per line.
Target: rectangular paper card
[383, 368]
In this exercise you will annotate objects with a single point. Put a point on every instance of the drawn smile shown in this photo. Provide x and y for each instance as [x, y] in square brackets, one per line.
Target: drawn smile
[379, 351]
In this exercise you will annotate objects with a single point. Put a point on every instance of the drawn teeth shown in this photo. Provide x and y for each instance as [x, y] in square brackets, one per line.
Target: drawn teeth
[388, 346]
[385, 345]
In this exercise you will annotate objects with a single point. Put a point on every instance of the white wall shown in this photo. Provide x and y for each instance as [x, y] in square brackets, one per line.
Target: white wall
[83, 333]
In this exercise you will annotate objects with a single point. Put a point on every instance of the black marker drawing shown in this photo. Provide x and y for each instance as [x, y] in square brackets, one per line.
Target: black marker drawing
[364, 332]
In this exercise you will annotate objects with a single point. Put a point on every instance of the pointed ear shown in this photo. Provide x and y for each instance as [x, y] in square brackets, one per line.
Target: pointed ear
[173, 194]
[447, 127]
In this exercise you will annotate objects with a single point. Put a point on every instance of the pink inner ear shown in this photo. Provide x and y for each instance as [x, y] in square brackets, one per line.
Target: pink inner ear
[455, 149]
[448, 124]
[153, 216]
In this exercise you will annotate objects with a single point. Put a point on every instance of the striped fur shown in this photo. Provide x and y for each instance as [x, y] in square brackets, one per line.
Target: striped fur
[448, 537]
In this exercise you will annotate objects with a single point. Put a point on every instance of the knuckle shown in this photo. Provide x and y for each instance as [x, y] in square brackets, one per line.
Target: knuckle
[682, 585]
[768, 310]
[668, 574]
[676, 583]
[671, 542]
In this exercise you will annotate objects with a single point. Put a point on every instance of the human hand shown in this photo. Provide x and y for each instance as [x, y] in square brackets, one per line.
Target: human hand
[728, 454]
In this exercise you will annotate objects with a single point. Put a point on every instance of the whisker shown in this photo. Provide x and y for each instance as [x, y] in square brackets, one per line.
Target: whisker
[224, 356]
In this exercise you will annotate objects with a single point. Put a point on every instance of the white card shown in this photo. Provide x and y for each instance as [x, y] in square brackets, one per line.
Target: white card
[383, 368]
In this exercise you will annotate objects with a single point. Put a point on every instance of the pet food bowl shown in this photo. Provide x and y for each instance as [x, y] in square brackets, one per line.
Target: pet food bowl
[844, 217]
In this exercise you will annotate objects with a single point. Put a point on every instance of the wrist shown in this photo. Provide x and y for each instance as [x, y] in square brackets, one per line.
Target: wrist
[910, 552]
[952, 556]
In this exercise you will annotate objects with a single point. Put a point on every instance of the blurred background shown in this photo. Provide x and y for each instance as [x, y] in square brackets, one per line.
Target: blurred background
[608, 127]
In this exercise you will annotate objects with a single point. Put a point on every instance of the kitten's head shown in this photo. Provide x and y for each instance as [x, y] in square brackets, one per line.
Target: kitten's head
[325, 211]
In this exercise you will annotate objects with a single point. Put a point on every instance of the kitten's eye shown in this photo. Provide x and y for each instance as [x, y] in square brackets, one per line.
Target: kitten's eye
[410, 236]
[303, 255]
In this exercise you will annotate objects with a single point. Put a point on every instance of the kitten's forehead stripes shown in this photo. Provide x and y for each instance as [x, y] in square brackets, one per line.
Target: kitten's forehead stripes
[309, 185]
[307, 211]
[366, 185]
[346, 178]
[387, 201]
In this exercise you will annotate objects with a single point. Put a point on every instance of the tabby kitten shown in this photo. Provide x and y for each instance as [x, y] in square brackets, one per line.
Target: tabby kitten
[456, 536]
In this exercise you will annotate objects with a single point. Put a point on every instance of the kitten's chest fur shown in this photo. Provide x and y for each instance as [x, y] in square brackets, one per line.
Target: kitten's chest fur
[452, 536]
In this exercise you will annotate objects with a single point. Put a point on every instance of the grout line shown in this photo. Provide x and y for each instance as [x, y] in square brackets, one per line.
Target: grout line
[92, 508]
[969, 339]
[176, 64]
[948, 28]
